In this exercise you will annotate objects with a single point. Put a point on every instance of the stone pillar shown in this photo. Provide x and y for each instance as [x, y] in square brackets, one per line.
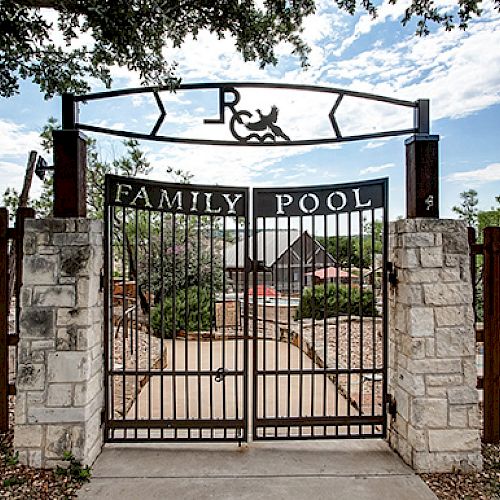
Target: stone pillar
[60, 363]
[432, 362]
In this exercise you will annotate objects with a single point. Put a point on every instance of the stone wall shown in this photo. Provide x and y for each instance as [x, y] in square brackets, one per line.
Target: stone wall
[432, 363]
[60, 363]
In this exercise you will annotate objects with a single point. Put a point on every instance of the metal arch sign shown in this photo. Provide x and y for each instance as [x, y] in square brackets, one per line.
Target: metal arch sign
[259, 127]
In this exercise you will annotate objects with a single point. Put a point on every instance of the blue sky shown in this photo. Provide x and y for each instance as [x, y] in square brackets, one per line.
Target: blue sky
[459, 72]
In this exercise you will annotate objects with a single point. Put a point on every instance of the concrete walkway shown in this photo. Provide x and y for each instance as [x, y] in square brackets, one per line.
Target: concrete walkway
[351, 470]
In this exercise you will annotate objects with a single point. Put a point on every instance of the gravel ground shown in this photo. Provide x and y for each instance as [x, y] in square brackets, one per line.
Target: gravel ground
[27, 483]
[472, 486]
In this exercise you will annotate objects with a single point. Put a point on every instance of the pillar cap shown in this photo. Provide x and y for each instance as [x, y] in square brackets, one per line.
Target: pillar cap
[421, 137]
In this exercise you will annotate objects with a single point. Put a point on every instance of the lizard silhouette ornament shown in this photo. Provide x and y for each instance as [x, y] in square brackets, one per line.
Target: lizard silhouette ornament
[265, 123]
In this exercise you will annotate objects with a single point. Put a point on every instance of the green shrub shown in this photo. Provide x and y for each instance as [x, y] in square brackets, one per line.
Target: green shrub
[196, 312]
[336, 303]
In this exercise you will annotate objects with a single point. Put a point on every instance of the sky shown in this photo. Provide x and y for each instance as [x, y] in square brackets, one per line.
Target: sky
[459, 72]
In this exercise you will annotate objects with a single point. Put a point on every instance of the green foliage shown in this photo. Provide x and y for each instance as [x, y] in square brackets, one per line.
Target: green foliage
[468, 207]
[74, 471]
[12, 458]
[13, 481]
[196, 311]
[337, 303]
[119, 35]
[355, 251]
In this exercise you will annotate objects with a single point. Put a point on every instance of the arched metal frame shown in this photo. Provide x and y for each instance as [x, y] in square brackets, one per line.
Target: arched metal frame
[71, 115]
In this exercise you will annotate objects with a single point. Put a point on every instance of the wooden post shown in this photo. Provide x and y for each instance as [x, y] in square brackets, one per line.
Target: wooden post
[4, 321]
[70, 173]
[422, 176]
[70, 164]
[491, 384]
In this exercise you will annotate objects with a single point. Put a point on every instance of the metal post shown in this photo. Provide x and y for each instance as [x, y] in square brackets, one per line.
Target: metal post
[491, 279]
[4, 322]
[70, 164]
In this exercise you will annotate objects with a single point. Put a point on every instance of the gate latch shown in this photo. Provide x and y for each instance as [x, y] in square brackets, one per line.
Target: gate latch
[220, 374]
[393, 274]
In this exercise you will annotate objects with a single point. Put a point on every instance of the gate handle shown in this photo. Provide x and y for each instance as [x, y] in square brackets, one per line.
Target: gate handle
[220, 374]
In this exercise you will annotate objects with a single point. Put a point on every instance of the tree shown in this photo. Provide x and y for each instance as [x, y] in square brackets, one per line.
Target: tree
[133, 34]
[468, 207]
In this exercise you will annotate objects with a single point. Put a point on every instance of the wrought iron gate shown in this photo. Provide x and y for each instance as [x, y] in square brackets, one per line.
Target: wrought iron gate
[185, 275]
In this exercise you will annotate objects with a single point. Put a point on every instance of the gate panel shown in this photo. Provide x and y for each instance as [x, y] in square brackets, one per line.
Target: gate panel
[177, 309]
[319, 311]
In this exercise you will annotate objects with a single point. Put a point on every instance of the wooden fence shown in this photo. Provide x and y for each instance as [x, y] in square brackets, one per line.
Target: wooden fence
[11, 259]
[486, 279]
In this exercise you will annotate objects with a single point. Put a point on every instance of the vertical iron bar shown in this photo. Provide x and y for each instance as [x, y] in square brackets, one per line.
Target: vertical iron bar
[255, 324]
[384, 301]
[361, 319]
[264, 319]
[236, 321]
[162, 317]
[349, 332]
[124, 308]
[374, 324]
[174, 317]
[212, 304]
[224, 400]
[199, 319]
[325, 317]
[109, 332]
[246, 378]
[149, 322]
[289, 320]
[301, 327]
[313, 321]
[337, 315]
[276, 320]
[186, 318]
[136, 317]
[4, 321]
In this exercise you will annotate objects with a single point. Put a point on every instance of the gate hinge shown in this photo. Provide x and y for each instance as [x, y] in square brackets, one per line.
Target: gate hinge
[392, 274]
[103, 416]
[101, 281]
[392, 406]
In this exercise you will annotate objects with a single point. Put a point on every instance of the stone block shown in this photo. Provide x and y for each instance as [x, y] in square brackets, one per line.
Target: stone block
[410, 294]
[421, 321]
[417, 438]
[76, 261]
[420, 239]
[63, 438]
[68, 366]
[88, 293]
[55, 296]
[407, 258]
[28, 436]
[30, 377]
[77, 316]
[434, 366]
[418, 275]
[447, 294]
[458, 417]
[453, 342]
[86, 392]
[444, 380]
[413, 384]
[60, 395]
[403, 403]
[454, 440]
[455, 242]
[462, 395]
[431, 257]
[449, 316]
[45, 415]
[67, 338]
[35, 458]
[37, 322]
[70, 239]
[40, 269]
[427, 413]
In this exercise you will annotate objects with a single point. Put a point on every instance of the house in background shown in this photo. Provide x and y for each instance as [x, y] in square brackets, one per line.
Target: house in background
[281, 253]
[331, 275]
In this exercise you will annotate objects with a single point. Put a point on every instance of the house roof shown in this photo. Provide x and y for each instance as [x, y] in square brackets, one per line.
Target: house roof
[271, 239]
[329, 272]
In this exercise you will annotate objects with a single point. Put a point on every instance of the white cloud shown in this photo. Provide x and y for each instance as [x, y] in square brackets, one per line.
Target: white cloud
[378, 168]
[489, 173]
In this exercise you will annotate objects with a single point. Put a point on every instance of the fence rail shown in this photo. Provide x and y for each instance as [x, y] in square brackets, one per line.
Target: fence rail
[486, 299]
[11, 259]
